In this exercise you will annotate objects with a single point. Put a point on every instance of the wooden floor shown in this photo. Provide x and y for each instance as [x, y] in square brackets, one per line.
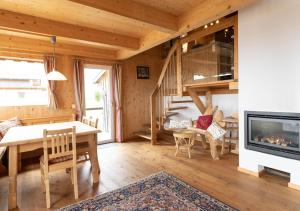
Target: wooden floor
[122, 164]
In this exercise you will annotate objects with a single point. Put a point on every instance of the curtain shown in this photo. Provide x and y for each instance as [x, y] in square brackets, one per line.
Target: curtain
[78, 83]
[48, 64]
[117, 100]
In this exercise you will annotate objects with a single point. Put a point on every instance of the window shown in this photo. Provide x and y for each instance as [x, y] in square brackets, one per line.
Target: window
[23, 83]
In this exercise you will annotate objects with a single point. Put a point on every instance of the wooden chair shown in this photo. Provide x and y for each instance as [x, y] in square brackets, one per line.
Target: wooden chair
[85, 120]
[93, 123]
[59, 153]
[90, 121]
[83, 149]
[205, 137]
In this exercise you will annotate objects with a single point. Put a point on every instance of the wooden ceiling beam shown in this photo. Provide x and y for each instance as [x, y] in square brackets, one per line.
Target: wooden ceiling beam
[152, 39]
[32, 24]
[20, 44]
[202, 14]
[209, 11]
[136, 12]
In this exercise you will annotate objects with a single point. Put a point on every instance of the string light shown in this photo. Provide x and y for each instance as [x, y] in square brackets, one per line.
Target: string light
[212, 23]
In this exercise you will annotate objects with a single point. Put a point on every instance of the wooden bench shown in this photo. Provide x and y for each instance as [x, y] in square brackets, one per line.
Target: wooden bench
[48, 119]
[35, 121]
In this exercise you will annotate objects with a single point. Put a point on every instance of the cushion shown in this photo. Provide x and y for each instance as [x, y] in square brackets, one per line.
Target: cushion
[6, 125]
[204, 121]
[216, 131]
[180, 124]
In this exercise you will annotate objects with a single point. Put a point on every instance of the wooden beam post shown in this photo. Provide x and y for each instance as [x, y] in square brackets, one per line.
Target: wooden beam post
[208, 98]
[179, 69]
[153, 116]
[196, 100]
[235, 27]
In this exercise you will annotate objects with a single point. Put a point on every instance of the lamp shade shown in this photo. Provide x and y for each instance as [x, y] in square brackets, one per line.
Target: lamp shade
[54, 75]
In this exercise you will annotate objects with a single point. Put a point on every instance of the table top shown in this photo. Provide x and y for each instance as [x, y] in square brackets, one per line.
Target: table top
[34, 133]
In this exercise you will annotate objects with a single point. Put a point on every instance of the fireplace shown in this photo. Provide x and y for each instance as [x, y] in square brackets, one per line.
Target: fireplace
[273, 133]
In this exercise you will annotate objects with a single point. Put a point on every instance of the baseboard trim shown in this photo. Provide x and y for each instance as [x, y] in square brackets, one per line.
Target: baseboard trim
[253, 173]
[294, 186]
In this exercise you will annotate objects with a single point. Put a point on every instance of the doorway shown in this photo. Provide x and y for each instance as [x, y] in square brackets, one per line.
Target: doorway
[98, 99]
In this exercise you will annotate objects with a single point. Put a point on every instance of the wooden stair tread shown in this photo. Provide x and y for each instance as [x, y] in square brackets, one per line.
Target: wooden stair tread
[177, 108]
[181, 101]
[169, 113]
[143, 134]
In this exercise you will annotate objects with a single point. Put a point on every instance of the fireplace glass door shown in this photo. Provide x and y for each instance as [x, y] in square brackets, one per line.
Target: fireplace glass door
[280, 133]
[273, 134]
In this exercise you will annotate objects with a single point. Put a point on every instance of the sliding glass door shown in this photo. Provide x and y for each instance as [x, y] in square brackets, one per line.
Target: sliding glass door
[98, 100]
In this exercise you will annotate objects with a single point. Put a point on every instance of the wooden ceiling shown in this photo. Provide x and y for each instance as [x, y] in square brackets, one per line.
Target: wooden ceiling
[104, 29]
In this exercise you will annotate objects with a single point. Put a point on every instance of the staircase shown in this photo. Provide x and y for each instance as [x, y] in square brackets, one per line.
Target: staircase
[165, 100]
[162, 104]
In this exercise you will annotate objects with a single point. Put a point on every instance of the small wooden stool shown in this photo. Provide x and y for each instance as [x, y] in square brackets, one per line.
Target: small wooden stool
[184, 139]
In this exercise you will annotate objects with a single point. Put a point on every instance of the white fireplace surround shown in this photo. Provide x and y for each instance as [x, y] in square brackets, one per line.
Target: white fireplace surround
[269, 73]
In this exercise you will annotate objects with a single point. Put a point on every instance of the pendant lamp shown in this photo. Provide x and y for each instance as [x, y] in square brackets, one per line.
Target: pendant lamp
[55, 75]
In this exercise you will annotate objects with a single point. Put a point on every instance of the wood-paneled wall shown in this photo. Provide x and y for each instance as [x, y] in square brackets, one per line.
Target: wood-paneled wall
[64, 92]
[136, 92]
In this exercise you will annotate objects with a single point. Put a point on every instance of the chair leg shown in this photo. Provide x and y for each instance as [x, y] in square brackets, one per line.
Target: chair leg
[43, 181]
[177, 148]
[72, 175]
[47, 190]
[189, 152]
[75, 182]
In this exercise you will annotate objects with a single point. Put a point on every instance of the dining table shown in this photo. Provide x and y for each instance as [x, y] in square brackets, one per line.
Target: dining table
[29, 138]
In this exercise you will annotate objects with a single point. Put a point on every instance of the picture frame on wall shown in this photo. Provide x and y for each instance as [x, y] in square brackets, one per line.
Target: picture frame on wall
[142, 72]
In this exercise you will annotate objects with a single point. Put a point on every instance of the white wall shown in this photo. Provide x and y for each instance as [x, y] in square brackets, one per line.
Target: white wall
[269, 71]
[228, 103]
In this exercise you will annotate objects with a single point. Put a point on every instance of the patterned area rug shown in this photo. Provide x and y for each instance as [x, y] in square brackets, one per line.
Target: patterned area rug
[160, 191]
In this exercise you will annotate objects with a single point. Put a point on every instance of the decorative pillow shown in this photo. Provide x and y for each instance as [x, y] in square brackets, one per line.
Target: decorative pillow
[180, 124]
[6, 125]
[204, 122]
[186, 123]
[216, 131]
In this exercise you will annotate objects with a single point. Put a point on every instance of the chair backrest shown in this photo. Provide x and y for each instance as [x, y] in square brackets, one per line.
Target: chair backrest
[93, 123]
[90, 121]
[59, 143]
[85, 120]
